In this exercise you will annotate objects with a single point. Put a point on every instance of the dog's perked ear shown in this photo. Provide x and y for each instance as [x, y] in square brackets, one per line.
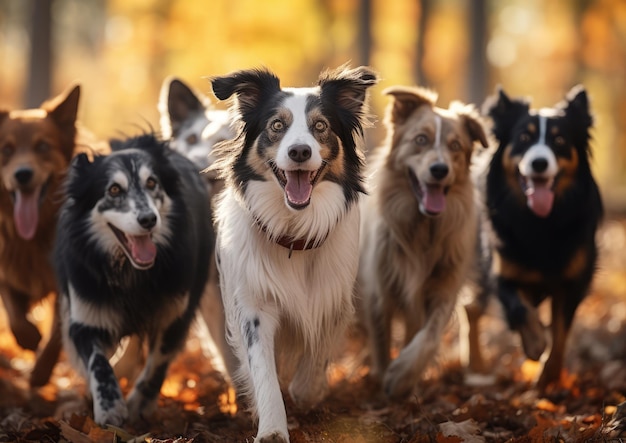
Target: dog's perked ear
[405, 100]
[504, 112]
[343, 94]
[576, 108]
[64, 108]
[176, 103]
[251, 88]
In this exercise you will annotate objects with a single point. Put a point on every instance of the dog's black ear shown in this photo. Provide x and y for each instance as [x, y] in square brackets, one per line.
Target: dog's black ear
[251, 87]
[405, 100]
[177, 102]
[504, 112]
[64, 108]
[576, 106]
[343, 93]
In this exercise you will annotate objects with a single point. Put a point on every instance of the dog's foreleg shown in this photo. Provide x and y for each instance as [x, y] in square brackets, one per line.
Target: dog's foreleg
[258, 329]
[90, 344]
[163, 347]
[405, 371]
[379, 332]
[17, 305]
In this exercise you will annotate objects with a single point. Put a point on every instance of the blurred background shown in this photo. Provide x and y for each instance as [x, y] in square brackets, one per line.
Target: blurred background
[121, 51]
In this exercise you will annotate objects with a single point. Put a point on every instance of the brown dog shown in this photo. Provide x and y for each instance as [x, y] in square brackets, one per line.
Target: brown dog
[36, 146]
[418, 230]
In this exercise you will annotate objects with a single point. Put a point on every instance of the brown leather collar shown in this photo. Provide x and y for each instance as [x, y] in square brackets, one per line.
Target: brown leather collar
[293, 244]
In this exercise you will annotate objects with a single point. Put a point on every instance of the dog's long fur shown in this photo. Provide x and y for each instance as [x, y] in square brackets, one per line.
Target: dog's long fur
[151, 199]
[288, 239]
[418, 230]
[36, 146]
[544, 208]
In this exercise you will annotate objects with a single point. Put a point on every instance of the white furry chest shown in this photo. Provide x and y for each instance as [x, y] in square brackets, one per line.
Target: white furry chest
[313, 283]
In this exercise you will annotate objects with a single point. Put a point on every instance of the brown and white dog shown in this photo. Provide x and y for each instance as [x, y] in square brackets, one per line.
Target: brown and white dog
[418, 230]
[288, 230]
[36, 146]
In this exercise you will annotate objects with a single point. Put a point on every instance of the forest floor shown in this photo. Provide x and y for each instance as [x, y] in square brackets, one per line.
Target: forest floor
[196, 404]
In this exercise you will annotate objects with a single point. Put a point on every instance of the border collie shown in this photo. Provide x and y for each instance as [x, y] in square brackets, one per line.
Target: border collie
[134, 241]
[418, 230]
[288, 230]
[544, 209]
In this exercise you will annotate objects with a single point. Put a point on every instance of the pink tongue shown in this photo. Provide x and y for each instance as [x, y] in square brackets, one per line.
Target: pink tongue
[26, 213]
[434, 200]
[540, 200]
[298, 187]
[142, 248]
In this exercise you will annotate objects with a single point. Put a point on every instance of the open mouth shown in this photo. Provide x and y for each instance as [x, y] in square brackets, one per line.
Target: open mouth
[140, 249]
[297, 184]
[430, 196]
[539, 191]
[26, 203]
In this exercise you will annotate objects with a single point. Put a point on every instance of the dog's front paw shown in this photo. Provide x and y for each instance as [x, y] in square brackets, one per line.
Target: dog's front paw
[308, 395]
[399, 380]
[140, 407]
[534, 339]
[115, 413]
[27, 335]
[272, 437]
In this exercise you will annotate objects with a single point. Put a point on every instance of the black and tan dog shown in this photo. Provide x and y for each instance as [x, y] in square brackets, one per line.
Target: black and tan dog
[544, 208]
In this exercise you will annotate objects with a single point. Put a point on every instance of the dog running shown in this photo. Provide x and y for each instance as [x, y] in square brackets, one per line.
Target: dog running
[36, 147]
[418, 229]
[544, 209]
[134, 241]
[288, 230]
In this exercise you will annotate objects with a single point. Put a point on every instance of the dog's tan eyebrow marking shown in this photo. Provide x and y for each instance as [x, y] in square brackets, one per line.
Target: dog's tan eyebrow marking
[532, 128]
[554, 130]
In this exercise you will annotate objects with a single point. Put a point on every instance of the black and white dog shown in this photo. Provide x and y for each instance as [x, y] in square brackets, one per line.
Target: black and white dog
[288, 230]
[134, 241]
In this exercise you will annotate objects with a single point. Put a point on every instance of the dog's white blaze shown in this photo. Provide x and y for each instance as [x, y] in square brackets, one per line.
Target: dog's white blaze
[438, 138]
[298, 134]
[539, 150]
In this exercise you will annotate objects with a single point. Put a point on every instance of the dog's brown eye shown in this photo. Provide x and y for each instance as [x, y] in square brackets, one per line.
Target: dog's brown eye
[42, 147]
[559, 141]
[524, 138]
[192, 139]
[455, 146]
[115, 190]
[7, 150]
[151, 184]
[277, 126]
[421, 140]
[320, 126]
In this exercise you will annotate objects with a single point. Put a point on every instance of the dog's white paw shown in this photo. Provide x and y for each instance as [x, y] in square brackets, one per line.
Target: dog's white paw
[399, 380]
[114, 415]
[272, 437]
[139, 407]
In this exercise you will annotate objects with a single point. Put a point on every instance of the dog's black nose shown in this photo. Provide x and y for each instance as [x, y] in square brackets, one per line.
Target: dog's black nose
[299, 153]
[539, 164]
[23, 175]
[147, 220]
[439, 170]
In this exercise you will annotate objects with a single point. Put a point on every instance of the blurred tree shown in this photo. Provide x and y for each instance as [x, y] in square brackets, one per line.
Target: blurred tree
[40, 66]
